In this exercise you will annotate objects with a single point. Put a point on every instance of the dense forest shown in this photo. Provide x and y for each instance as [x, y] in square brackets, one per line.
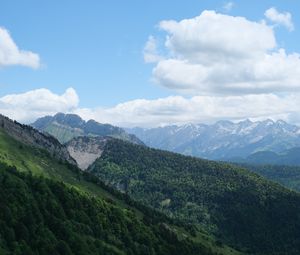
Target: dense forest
[242, 209]
[41, 216]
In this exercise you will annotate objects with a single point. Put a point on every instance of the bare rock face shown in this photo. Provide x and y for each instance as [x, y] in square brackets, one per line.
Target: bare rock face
[86, 149]
[30, 136]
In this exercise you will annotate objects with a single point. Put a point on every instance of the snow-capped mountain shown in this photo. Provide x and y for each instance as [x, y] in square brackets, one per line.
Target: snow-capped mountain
[224, 139]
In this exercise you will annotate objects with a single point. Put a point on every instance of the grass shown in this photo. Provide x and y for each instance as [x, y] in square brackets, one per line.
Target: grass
[38, 162]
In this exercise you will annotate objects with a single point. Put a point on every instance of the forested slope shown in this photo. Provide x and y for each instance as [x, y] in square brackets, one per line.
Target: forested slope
[51, 207]
[41, 216]
[241, 208]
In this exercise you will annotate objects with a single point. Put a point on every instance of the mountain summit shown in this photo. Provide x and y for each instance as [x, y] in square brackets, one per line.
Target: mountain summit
[67, 126]
[224, 139]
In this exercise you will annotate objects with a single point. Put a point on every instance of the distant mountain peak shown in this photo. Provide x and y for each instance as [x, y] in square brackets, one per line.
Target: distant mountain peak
[67, 126]
[281, 122]
[245, 122]
[223, 139]
[267, 122]
[224, 123]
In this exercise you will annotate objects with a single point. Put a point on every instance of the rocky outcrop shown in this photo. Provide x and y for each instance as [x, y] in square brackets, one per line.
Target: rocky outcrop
[30, 136]
[86, 149]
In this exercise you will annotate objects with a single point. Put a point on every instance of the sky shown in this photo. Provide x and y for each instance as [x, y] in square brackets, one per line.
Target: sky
[150, 63]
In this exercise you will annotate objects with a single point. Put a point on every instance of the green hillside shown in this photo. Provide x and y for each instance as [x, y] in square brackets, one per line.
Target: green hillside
[242, 209]
[41, 216]
[71, 212]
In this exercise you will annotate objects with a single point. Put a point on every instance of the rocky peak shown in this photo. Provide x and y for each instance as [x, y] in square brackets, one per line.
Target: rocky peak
[66, 126]
[72, 120]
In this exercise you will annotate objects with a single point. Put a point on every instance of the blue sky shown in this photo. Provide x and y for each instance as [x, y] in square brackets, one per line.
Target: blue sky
[96, 47]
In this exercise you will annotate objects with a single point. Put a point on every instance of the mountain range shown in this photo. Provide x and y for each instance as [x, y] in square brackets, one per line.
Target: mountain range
[67, 126]
[133, 199]
[163, 181]
[223, 140]
[261, 142]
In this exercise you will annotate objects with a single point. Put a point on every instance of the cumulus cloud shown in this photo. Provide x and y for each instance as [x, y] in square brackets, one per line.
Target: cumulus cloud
[280, 18]
[10, 54]
[230, 67]
[150, 51]
[28, 106]
[217, 54]
[198, 109]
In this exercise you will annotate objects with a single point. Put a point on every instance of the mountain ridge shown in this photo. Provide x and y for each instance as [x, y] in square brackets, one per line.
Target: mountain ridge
[223, 139]
[67, 126]
[33, 137]
[288, 157]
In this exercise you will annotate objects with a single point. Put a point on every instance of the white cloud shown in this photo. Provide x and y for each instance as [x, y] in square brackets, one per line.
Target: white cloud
[28, 106]
[198, 109]
[228, 6]
[280, 18]
[150, 51]
[231, 68]
[214, 35]
[10, 54]
[217, 54]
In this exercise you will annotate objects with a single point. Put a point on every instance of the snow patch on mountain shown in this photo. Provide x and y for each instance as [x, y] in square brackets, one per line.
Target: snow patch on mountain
[223, 139]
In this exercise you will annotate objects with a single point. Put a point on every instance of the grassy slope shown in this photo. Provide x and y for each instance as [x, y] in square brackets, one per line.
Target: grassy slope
[29, 159]
[63, 133]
